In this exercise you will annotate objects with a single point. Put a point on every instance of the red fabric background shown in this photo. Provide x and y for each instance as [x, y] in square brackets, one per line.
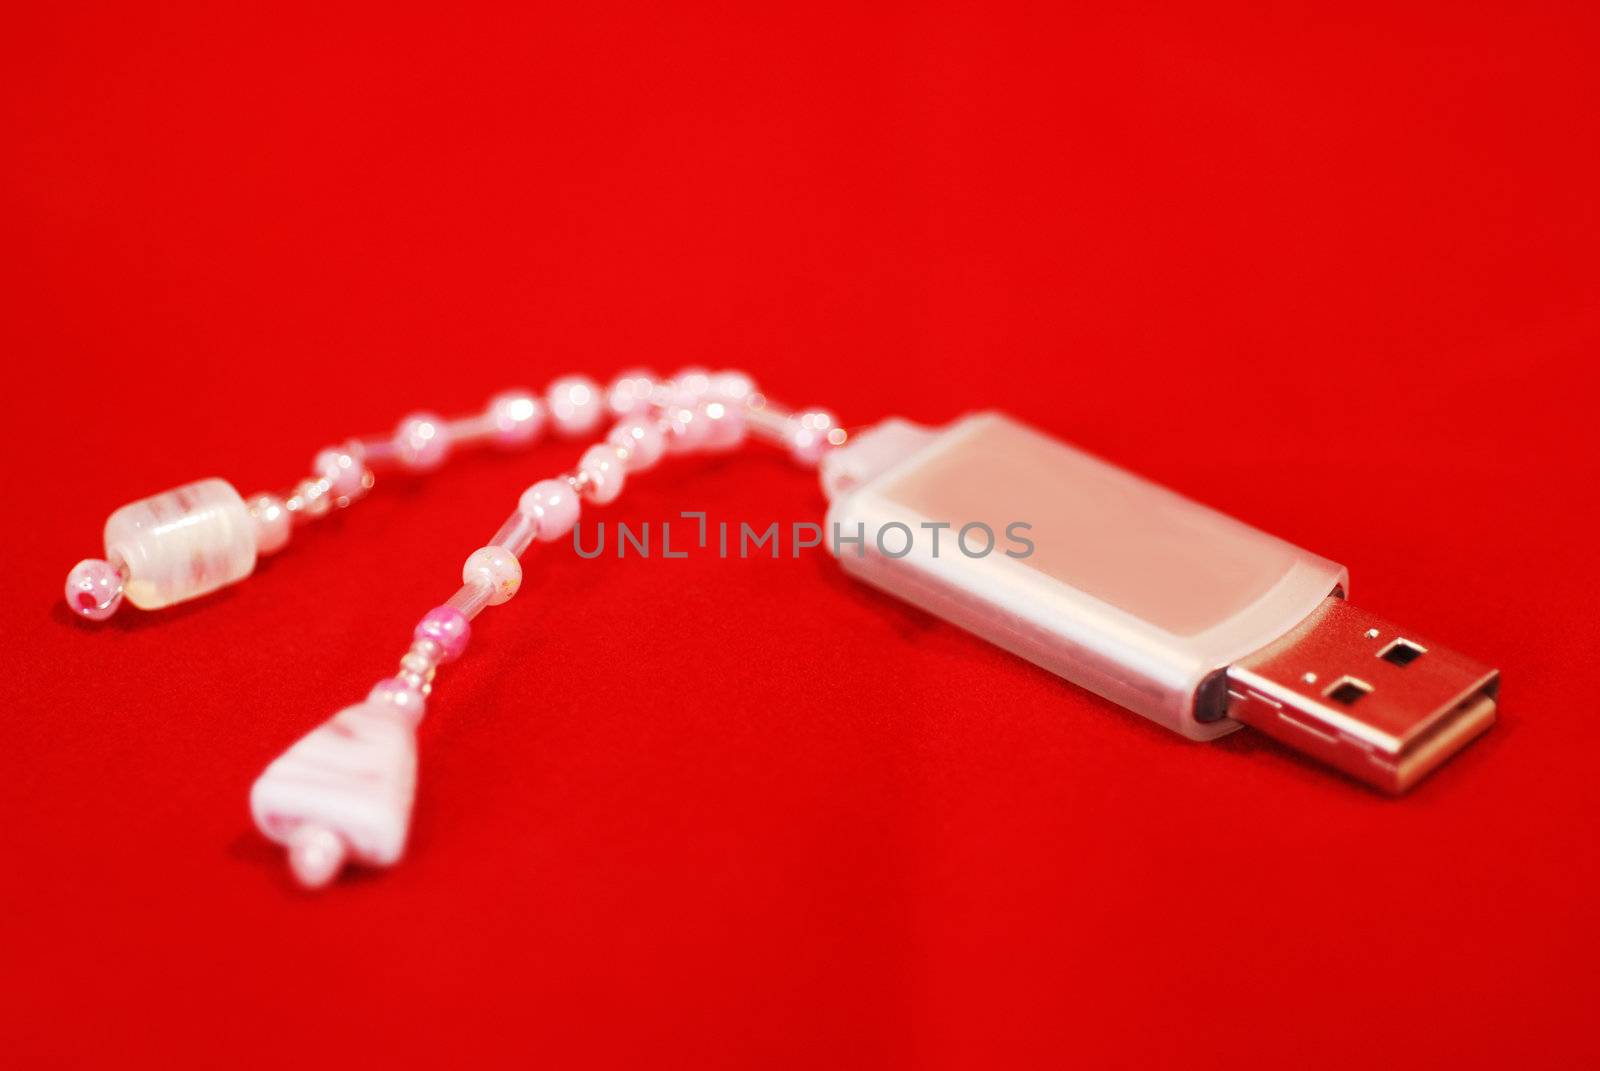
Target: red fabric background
[1332, 270]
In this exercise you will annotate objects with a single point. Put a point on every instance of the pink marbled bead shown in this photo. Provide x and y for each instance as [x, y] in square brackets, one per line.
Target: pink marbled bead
[575, 405]
[517, 417]
[182, 543]
[448, 627]
[94, 589]
[421, 442]
[643, 441]
[606, 471]
[554, 504]
[341, 466]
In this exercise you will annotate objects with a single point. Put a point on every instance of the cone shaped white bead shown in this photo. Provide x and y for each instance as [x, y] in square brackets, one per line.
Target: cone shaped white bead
[353, 778]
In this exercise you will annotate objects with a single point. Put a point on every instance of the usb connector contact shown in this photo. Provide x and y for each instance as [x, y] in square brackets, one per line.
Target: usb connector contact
[1364, 695]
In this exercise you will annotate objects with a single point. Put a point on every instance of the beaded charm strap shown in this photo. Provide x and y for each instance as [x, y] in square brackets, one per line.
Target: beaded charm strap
[344, 791]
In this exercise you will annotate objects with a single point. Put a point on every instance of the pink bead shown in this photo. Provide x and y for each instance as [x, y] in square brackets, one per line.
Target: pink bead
[555, 505]
[691, 384]
[448, 627]
[732, 386]
[311, 498]
[808, 435]
[421, 442]
[643, 441]
[341, 466]
[606, 472]
[724, 425]
[496, 567]
[686, 429]
[517, 416]
[630, 392]
[272, 522]
[575, 405]
[401, 696]
[94, 589]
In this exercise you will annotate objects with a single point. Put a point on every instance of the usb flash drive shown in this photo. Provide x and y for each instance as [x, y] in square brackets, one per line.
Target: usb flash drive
[1155, 602]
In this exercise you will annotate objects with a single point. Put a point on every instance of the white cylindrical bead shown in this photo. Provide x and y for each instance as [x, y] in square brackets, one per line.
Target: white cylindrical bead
[471, 598]
[469, 430]
[182, 544]
[517, 533]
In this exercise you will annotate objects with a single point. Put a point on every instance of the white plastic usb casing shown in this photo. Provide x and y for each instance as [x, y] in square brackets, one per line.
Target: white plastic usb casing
[1140, 595]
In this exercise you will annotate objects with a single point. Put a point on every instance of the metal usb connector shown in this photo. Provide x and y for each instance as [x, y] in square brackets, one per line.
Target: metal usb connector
[1363, 695]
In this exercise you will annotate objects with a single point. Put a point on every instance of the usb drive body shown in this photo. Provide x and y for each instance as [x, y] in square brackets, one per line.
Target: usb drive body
[1162, 605]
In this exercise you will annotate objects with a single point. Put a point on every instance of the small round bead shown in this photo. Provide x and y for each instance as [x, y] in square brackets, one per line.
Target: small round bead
[575, 405]
[686, 429]
[554, 505]
[397, 693]
[691, 384]
[732, 386]
[417, 662]
[606, 467]
[496, 567]
[94, 589]
[448, 627]
[272, 522]
[630, 392]
[808, 435]
[643, 441]
[417, 682]
[341, 467]
[724, 425]
[517, 416]
[315, 854]
[312, 496]
[421, 442]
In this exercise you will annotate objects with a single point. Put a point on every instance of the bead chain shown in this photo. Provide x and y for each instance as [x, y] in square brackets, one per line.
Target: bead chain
[694, 412]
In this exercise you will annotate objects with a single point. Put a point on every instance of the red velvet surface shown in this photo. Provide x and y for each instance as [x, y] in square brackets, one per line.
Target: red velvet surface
[1333, 270]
